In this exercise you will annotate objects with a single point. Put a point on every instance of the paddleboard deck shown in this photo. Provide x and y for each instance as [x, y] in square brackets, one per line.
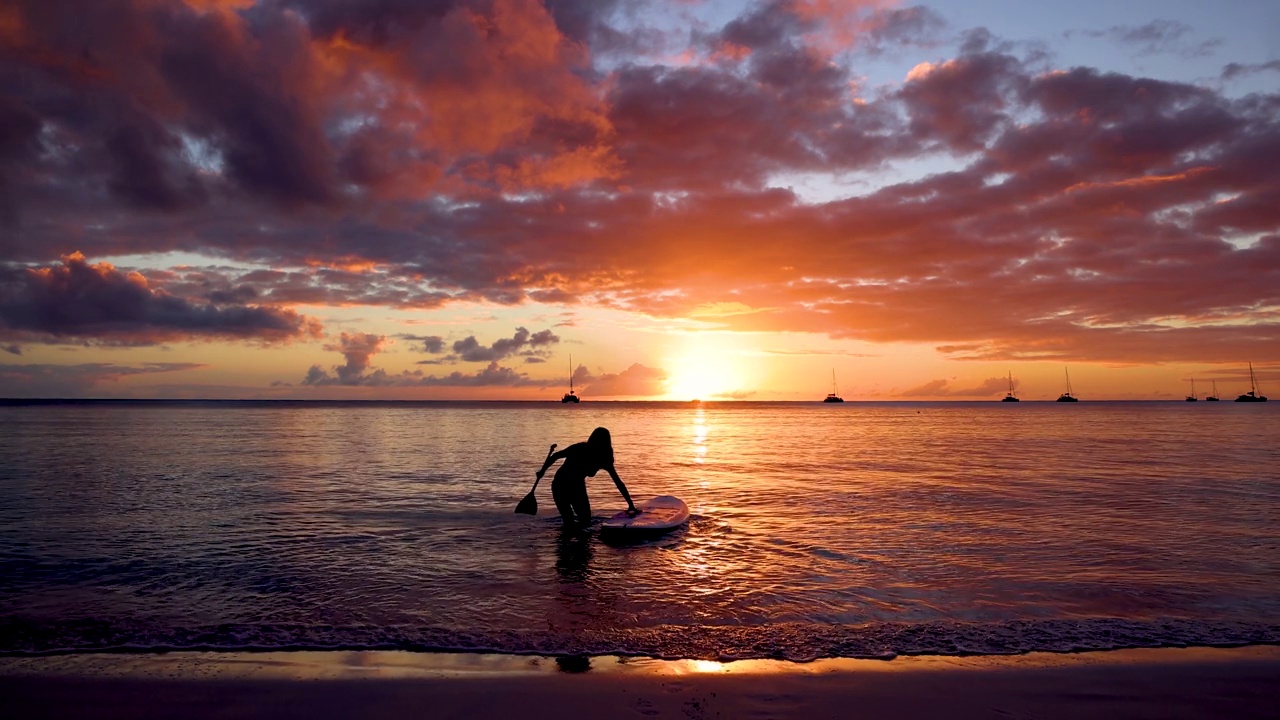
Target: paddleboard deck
[658, 515]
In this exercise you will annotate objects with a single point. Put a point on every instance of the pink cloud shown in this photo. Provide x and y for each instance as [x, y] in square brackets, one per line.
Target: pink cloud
[635, 381]
[37, 380]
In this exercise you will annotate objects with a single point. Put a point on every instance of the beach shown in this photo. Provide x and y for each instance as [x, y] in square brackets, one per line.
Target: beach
[1158, 683]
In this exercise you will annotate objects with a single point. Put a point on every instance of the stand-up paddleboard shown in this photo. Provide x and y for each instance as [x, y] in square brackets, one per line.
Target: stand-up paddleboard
[656, 516]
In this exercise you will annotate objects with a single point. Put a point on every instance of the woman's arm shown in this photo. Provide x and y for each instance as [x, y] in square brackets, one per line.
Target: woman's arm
[551, 460]
[622, 488]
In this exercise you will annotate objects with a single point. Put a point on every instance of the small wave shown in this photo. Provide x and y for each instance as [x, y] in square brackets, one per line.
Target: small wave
[787, 641]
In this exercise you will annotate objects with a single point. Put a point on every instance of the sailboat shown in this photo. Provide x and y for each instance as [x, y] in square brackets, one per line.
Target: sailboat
[1192, 397]
[1252, 395]
[1067, 396]
[1009, 397]
[834, 395]
[569, 397]
[1214, 396]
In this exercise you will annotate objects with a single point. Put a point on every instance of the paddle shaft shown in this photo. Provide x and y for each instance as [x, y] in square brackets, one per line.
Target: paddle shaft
[539, 479]
[529, 505]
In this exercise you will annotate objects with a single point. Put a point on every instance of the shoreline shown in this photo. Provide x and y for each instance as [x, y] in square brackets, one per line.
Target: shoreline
[400, 664]
[1160, 682]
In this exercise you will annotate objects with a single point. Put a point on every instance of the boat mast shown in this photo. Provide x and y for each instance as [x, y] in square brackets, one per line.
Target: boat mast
[1068, 374]
[1253, 384]
[834, 390]
[570, 374]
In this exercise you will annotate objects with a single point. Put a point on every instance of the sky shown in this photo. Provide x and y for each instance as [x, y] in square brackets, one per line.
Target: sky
[473, 199]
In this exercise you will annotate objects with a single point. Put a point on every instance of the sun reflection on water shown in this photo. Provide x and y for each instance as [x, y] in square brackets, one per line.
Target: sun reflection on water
[699, 436]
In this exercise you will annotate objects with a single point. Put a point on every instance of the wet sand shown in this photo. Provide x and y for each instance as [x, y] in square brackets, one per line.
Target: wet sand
[1164, 683]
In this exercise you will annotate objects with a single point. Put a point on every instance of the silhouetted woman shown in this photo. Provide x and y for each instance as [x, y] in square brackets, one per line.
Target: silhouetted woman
[569, 486]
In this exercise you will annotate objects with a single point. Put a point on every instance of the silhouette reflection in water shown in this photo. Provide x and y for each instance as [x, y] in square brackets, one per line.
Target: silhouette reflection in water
[573, 556]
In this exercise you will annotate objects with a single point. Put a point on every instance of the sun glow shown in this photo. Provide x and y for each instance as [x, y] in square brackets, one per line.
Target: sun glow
[706, 370]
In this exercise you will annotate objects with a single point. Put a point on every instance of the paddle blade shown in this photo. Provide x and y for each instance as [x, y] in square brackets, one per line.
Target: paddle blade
[528, 506]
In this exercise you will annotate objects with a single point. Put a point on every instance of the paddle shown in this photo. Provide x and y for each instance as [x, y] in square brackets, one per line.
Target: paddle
[529, 505]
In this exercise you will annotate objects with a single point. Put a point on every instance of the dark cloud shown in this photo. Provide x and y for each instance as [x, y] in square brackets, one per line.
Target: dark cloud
[962, 103]
[1235, 70]
[469, 349]
[77, 302]
[890, 28]
[171, 106]
[433, 344]
[1157, 36]
[491, 375]
[765, 26]
[358, 350]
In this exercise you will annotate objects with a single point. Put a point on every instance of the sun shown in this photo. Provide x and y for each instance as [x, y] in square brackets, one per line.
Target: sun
[702, 371]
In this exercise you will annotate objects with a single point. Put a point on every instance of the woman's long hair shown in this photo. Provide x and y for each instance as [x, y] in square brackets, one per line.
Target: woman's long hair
[601, 445]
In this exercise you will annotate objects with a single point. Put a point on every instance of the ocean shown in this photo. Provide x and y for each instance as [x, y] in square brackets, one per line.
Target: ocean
[854, 530]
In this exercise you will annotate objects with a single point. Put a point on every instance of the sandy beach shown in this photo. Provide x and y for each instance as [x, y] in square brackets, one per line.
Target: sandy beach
[1164, 683]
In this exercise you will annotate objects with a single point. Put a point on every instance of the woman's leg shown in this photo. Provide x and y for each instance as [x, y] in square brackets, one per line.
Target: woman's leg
[582, 507]
[561, 496]
[571, 501]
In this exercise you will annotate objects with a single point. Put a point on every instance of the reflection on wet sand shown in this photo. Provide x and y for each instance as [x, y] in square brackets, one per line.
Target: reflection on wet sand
[573, 663]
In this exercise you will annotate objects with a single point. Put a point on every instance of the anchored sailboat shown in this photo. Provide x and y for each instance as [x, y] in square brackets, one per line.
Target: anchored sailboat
[1067, 396]
[1214, 396]
[1009, 396]
[569, 397]
[1252, 395]
[834, 395]
[1192, 397]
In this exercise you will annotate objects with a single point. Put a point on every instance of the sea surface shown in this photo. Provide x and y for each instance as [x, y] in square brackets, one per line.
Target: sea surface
[854, 530]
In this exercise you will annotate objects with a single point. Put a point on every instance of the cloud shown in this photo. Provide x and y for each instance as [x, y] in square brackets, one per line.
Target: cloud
[491, 375]
[815, 352]
[635, 381]
[413, 155]
[942, 388]
[170, 107]
[470, 350]
[890, 28]
[39, 380]
[1234, 70]
[1155, 37]
[358, 350]
[534, 347]
[76, 302]
[734, 395]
